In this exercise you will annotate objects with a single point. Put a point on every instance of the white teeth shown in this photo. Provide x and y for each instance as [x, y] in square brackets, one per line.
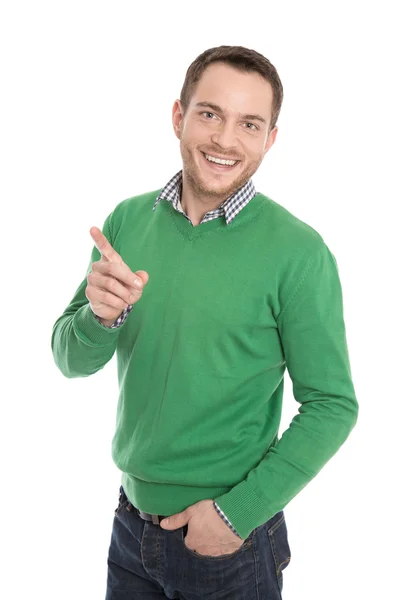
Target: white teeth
[220, 161]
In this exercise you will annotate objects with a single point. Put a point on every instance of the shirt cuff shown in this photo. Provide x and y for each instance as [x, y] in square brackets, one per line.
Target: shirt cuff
[119, 320]
[223, 516]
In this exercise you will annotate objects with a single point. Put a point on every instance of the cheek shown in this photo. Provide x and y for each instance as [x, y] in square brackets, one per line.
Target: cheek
[198, 132]
[255, 153]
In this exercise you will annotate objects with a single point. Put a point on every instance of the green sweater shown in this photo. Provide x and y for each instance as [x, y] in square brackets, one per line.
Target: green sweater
[201, 358]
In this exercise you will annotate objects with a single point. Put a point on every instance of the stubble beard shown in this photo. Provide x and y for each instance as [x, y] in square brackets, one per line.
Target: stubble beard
[217, 191]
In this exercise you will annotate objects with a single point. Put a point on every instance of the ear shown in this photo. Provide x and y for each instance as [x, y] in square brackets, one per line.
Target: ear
[270, 139]
[177, 118]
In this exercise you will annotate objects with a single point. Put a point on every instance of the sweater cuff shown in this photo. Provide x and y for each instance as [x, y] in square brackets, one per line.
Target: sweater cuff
[244, 509]
[91, 331]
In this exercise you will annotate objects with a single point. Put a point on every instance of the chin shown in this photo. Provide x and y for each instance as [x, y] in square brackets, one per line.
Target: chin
[214, 188]
[216, 184]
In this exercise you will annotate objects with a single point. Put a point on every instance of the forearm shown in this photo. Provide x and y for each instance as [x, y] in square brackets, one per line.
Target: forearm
[313, 437]
[80, 344]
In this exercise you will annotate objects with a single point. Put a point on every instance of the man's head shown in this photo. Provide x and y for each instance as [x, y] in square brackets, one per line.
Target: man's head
[228, 108]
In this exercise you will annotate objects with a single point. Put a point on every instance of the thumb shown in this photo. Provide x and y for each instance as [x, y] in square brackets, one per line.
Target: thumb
[175, 521]
[144, 276]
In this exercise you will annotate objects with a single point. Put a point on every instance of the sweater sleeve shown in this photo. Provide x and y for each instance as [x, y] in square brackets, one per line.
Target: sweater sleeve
[81, 345]
[312, 332]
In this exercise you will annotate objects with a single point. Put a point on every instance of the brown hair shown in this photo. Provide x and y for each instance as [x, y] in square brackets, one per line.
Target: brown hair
[242, 59]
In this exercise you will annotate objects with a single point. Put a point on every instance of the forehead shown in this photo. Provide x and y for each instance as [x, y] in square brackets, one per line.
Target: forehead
[234, 90]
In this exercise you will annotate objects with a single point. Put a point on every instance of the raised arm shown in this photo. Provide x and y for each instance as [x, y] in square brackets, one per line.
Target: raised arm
[81, 345]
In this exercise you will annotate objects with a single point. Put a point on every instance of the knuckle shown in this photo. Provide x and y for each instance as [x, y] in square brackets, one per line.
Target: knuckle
[100, 295]
[106, 298]
[115, 301]
[111, 300]
[112, 285]
[111, 269]
[89, 293]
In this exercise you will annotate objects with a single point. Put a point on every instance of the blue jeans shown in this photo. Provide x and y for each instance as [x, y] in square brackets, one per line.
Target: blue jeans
[148, 562]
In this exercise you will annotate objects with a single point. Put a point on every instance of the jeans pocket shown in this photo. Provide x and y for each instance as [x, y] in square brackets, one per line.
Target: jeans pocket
[278, 538]
[122, 501]
[247, 544]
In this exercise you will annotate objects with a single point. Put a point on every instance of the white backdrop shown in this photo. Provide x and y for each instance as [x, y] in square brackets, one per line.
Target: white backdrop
[86, 101]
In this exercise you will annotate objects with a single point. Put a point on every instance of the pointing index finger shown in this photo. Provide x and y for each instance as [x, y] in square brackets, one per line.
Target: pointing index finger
[103, 245]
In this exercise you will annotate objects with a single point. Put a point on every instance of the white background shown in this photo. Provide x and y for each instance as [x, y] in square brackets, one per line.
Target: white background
[87, 90]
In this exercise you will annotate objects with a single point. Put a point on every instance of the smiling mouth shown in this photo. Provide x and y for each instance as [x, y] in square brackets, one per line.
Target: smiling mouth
[219, 166]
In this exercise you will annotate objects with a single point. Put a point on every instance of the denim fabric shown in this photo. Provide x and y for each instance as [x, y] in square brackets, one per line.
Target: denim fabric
[148, 562]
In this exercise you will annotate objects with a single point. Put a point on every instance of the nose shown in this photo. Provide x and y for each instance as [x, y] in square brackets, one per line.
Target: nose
[225, 136]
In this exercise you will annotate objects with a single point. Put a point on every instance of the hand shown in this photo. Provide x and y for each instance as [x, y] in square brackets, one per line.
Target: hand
[207, 533]
[111, 284]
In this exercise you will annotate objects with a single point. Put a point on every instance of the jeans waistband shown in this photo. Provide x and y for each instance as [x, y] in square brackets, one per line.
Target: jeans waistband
[144, 515]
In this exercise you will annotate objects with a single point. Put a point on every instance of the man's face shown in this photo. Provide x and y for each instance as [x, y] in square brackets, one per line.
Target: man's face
[228, 117]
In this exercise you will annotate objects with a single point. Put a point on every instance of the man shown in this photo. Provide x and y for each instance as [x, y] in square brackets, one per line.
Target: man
[207, 291]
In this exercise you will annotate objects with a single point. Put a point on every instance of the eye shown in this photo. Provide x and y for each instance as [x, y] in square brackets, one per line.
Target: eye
[207, 113]
[252, 125]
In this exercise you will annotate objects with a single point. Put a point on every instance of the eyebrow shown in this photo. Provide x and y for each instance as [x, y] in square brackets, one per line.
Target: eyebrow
[221, 110]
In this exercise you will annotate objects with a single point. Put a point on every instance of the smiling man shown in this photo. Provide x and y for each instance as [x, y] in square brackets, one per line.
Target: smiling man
[207, 291]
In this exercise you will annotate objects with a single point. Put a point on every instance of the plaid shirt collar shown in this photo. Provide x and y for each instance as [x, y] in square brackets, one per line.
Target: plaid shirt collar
[230, 207]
